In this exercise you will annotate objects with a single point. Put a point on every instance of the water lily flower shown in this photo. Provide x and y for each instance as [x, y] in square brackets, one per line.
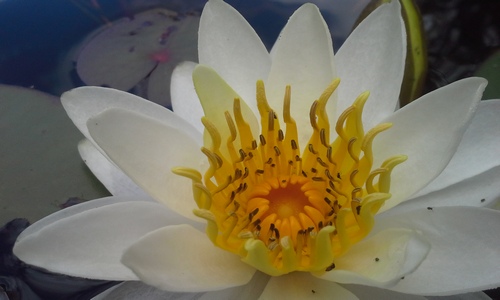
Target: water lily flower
[309, 183]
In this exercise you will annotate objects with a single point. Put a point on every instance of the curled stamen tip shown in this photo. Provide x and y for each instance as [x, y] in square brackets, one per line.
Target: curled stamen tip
[335, 83]
[205, 214]
[370, 135]
[187, 172]
[329, 91]
[394, 161]
[360, 101]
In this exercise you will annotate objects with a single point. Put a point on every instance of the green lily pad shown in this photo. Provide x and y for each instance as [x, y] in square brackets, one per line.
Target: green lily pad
[40, 168]
[134, 50]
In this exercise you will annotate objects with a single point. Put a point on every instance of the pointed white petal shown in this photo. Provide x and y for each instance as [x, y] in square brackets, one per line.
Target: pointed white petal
[136, 290]
[90, 244]
[133, 290]
[428, 131]
[372, 59]
[84, 103]
[249, 291]
[185, 102]
[477, 151]
[73, 210]
[464, 255]
[183, 259]
[302, 58]
[381, 260]
[115, 181]
[467, 296]
[373, 293]
[480, 190]
[301, 285]
[229, 44]
[146, 150]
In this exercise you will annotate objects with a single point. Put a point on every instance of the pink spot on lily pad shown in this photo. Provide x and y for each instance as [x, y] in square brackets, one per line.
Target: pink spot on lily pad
[161, 56]
[139, 54]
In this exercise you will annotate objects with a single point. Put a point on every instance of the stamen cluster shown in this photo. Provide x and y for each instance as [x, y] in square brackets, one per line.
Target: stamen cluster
[282, 210]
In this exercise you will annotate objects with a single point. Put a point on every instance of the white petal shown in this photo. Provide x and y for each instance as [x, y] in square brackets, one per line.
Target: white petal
[302, 58]
[467, 296]
[84, 103]
[373, 293]
[90, 244]
[372, 59]
[249, 291]
[115, 181]
[146, 150]
[182, 259]
[73, 210]
[134, 290]
[480, 190]
[381, 260]
[301, 285]
[428, 131]
[229, 44]
[185, 102]
[478, 150]
[464, 255]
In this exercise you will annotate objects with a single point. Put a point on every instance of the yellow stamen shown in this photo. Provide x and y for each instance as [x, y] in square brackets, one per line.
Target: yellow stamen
[284, 211]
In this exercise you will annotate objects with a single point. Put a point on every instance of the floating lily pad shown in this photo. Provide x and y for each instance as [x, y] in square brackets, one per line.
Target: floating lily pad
[40, 168]
[145, 47]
